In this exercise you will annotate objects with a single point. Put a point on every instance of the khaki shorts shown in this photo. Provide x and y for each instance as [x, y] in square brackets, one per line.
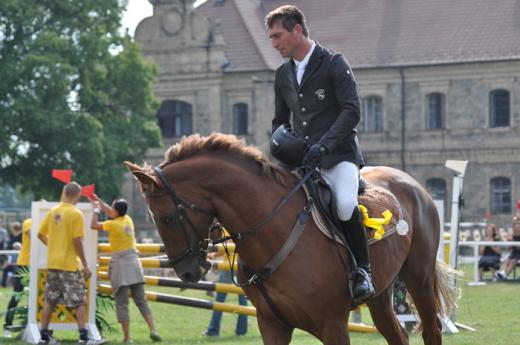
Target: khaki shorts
[65, 287]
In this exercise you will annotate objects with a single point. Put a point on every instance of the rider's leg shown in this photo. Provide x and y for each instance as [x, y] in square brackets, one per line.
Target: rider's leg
[344, 181]
[363, 286]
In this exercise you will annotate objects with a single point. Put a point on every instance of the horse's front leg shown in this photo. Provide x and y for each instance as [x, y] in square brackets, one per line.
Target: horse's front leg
[273, 331]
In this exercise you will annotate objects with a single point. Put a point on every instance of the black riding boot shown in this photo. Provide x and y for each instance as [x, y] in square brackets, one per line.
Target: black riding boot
[354, 230]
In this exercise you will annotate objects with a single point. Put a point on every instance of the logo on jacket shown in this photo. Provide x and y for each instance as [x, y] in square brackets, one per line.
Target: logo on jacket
[320, 93]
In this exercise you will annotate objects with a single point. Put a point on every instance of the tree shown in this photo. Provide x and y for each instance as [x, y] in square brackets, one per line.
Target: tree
[75, 93]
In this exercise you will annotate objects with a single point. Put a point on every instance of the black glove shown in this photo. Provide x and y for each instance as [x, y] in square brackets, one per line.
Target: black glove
[314, 156]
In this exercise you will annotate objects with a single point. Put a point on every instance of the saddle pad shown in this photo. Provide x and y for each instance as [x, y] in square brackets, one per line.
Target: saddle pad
[377, 200]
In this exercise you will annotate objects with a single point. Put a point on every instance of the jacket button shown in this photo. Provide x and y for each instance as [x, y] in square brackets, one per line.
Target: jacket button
[306, 137]
[304, 123]
[300, 95]
[303, 109]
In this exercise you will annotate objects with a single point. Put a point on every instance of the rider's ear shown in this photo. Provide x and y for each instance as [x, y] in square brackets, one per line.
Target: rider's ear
[142, 176]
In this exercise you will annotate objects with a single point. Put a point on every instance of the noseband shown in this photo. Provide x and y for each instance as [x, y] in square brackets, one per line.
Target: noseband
[197, 249]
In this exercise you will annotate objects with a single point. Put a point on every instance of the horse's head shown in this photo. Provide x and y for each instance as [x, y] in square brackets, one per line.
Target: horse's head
[182, 225]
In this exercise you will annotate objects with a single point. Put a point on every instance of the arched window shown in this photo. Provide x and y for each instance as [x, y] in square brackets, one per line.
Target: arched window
[240, 118]
[372, 114]
[435, 110]
[437, 188]
[175, 118]
[499, 108]
[500, 195]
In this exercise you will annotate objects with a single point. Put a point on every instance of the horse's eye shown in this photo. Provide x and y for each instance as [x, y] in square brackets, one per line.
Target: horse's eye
[168, 220]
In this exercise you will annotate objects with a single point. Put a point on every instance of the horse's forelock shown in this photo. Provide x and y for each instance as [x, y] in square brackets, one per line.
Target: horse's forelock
[196, 144]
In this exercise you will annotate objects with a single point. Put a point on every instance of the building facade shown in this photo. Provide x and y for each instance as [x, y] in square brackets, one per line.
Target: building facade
[434, 84]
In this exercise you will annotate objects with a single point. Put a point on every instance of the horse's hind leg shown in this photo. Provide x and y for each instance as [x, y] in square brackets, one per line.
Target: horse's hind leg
[273, 332]
[382, 312]
[419, 283]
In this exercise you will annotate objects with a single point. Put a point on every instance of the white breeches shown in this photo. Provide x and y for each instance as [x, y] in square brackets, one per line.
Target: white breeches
[343, 178]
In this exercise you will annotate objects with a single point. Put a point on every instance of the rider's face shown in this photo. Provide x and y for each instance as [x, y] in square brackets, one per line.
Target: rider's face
[286, 42]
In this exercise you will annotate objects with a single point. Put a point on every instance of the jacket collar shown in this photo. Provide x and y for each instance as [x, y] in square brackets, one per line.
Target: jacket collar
[312, 65]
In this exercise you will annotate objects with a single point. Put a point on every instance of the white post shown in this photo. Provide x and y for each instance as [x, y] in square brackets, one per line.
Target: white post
[38, 261]
[475, 264]
[439, 204]
[455, 209]
[460, 168]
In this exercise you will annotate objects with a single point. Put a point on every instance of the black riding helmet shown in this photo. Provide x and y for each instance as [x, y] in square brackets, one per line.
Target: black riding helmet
[287, 146]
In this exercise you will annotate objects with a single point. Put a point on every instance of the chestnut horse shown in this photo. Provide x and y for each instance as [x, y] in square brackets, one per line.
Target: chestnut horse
[221, 177]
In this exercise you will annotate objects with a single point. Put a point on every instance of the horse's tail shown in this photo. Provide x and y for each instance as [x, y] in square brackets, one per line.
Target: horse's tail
[446, 295]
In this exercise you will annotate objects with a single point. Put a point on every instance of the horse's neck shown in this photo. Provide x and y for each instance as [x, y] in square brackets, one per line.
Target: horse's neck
[243, 200]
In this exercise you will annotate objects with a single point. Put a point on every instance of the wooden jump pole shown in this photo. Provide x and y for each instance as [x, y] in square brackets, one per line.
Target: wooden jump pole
[156, 248]
[177, 283]
[189, 302]
[164, 263]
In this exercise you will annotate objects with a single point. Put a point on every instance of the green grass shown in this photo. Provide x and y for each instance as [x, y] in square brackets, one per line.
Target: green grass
[492, 309]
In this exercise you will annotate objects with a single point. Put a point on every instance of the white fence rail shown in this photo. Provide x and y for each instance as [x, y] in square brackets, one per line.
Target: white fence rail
[8, 252]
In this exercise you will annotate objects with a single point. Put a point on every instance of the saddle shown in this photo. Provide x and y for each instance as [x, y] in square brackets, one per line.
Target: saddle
[374, 201]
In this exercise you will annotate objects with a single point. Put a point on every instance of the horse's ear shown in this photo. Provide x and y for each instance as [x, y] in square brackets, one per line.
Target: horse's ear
[141, 175]
[131, 166]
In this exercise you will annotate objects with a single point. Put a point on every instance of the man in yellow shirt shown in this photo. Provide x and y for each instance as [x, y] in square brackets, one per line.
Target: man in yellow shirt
[62, 231]
[22, 265]
[126, 272]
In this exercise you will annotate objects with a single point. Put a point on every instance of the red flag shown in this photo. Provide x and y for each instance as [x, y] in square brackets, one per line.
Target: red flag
[64, 176]
[518, 205]
[87, 191]
[488, 216]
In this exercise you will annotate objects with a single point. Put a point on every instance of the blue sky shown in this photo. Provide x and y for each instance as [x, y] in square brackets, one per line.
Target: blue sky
[139, 9]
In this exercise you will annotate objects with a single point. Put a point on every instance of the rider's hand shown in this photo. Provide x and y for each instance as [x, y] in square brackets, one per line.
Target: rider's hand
[314, 156]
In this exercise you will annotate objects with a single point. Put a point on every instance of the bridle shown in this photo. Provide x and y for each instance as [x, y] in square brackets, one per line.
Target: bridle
[197, 249]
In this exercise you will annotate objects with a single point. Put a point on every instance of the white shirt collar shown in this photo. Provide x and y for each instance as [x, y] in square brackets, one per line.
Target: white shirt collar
[303, 64]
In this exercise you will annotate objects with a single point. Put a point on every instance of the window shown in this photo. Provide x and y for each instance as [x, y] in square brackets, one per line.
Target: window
[437, 188]
[175, 118]
[240, 118]
[435, 106]
[500, 195]
[372, 114]
[499, 108]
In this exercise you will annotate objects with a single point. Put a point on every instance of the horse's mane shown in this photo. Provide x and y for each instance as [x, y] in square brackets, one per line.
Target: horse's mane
[196, 144]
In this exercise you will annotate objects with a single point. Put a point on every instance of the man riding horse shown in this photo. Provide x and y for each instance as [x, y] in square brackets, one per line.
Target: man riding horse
[317, 87]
